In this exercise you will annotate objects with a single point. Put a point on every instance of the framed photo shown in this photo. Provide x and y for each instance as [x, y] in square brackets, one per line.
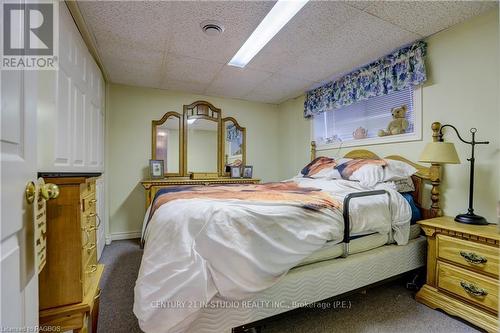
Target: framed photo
[247, 171]
[235, 172]
[156, 169]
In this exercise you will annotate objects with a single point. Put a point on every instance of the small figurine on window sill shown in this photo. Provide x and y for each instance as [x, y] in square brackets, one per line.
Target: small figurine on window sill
[360, 133]
[398, 124]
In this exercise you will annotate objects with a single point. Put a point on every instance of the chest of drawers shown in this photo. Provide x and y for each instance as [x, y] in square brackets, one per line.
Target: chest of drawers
[462, 271]
[69, 282]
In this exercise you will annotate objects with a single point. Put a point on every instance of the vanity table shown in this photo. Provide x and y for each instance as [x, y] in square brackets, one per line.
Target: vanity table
[196, 146]
[152, 186]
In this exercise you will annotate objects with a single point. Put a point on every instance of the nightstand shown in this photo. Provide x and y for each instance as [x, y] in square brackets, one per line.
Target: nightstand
[462, 270]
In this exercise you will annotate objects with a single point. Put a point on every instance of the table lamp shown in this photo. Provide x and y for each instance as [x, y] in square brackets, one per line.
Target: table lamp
[445, 153]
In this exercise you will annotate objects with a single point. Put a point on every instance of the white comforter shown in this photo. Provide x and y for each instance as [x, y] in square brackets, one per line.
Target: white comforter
[197, 248]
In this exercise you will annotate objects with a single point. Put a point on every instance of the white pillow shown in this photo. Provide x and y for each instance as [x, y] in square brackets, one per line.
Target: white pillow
[368, 175]
[328, 173]
[396, 170]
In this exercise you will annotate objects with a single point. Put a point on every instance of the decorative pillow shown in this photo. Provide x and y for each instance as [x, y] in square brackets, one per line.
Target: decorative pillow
[402, 185]
[396, 170]
[368, 172]
[321, 167]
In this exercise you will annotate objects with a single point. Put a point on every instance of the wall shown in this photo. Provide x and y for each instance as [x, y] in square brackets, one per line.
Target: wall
[462, 89]
[130, 111]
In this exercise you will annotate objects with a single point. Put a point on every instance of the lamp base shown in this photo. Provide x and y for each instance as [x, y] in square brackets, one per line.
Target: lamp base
[471, 219]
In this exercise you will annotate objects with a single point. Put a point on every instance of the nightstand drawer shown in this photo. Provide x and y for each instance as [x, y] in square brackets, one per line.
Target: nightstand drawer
[480, 257]
[476, 288]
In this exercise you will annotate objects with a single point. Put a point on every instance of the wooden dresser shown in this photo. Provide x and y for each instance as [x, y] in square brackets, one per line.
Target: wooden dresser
[462, 271]
[69, 283]
[152, 186]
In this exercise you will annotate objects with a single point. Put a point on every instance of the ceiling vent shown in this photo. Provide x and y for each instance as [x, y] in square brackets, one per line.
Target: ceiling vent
[212, 28]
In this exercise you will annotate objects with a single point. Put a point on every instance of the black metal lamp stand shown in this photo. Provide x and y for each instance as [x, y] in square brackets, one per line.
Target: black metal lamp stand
[469, 217]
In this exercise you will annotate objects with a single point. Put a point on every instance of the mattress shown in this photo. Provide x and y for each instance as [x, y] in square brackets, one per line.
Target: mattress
[357, 245]
[312, 283]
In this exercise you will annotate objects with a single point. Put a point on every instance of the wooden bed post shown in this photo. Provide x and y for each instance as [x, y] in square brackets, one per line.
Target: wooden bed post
[435, 175]
[313, 150]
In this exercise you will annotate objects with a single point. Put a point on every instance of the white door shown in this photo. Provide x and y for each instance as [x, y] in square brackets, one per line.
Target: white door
[19, 279]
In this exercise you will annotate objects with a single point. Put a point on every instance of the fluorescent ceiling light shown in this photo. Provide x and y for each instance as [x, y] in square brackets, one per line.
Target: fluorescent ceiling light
[280, 14]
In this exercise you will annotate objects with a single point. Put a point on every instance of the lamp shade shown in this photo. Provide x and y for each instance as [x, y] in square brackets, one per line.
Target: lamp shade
[440, 152]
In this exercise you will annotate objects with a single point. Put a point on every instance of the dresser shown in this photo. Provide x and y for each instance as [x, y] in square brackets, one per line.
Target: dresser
[462, 271]
[69, 283]
[152, 186]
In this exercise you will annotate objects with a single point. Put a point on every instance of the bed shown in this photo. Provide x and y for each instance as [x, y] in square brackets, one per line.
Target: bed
[356, 259]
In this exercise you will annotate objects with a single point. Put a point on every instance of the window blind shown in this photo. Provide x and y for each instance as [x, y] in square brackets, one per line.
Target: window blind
[372, 114]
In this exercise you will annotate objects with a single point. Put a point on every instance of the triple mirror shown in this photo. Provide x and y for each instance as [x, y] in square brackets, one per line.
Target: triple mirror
[198, 141]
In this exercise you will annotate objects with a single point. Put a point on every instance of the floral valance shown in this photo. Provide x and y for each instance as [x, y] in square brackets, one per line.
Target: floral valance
[393, 72]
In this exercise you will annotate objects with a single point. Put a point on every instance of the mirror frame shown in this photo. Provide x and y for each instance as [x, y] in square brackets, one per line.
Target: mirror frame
[203, 110]
[244, 144]
[198, 110]
[156, 123]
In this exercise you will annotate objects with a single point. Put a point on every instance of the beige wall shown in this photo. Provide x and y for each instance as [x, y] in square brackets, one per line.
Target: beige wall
[130, 112]
[462, 89]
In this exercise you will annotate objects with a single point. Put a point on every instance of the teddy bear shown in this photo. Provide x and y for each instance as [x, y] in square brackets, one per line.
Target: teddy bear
[398, 124]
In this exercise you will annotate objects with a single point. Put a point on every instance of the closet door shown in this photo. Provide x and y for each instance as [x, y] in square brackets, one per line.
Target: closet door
[71, 135]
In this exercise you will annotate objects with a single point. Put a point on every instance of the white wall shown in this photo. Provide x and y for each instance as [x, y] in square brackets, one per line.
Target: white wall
[462, 89]
[130, 111]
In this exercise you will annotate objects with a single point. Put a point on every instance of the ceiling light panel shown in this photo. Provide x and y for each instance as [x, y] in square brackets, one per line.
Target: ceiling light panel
[282, 12]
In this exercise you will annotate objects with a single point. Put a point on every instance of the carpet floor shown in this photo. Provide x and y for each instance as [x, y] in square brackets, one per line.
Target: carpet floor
[386, 308]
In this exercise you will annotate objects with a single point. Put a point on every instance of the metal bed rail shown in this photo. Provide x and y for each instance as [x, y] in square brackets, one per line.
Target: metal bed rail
[345, 213]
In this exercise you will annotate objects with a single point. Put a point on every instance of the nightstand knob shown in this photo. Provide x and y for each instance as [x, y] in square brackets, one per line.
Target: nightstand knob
[473, 258]
[472, 289]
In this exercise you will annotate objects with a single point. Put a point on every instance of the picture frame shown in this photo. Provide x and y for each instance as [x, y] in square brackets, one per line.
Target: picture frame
[247, 171]
[235, 172]
[156, 169]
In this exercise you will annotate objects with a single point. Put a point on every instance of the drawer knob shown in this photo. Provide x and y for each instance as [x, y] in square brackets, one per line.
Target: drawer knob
[472, 289]
[473, 258]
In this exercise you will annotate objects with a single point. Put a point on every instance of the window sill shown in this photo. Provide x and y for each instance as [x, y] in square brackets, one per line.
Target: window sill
[371, 141]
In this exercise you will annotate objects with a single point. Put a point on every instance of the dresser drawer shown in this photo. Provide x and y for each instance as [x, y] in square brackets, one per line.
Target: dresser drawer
[88, 204]
[89, 219]
[88, 245]
[88, 188]
[89, 272]
[474, 287]
[480, 257]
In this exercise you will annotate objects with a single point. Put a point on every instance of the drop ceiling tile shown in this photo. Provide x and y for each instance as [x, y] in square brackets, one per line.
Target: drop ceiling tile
[278, 88]
[236, 82]
[310, 31]
[133, 73]
[239, 19]
[182, 68]
[184, 86]
[138, 24]
[122, 52]
[359, 4]
[361, 40]
[428, 17]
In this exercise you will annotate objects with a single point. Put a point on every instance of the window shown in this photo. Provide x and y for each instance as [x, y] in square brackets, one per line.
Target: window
[359, 123]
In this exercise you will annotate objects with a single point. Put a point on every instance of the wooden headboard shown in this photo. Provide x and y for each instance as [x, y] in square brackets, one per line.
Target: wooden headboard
[425, 175]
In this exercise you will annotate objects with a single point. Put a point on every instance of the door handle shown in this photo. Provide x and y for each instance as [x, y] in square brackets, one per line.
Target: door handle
[48, 190]
[30, 192]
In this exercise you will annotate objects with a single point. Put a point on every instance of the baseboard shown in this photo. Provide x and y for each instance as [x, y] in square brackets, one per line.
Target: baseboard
[122, 235]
